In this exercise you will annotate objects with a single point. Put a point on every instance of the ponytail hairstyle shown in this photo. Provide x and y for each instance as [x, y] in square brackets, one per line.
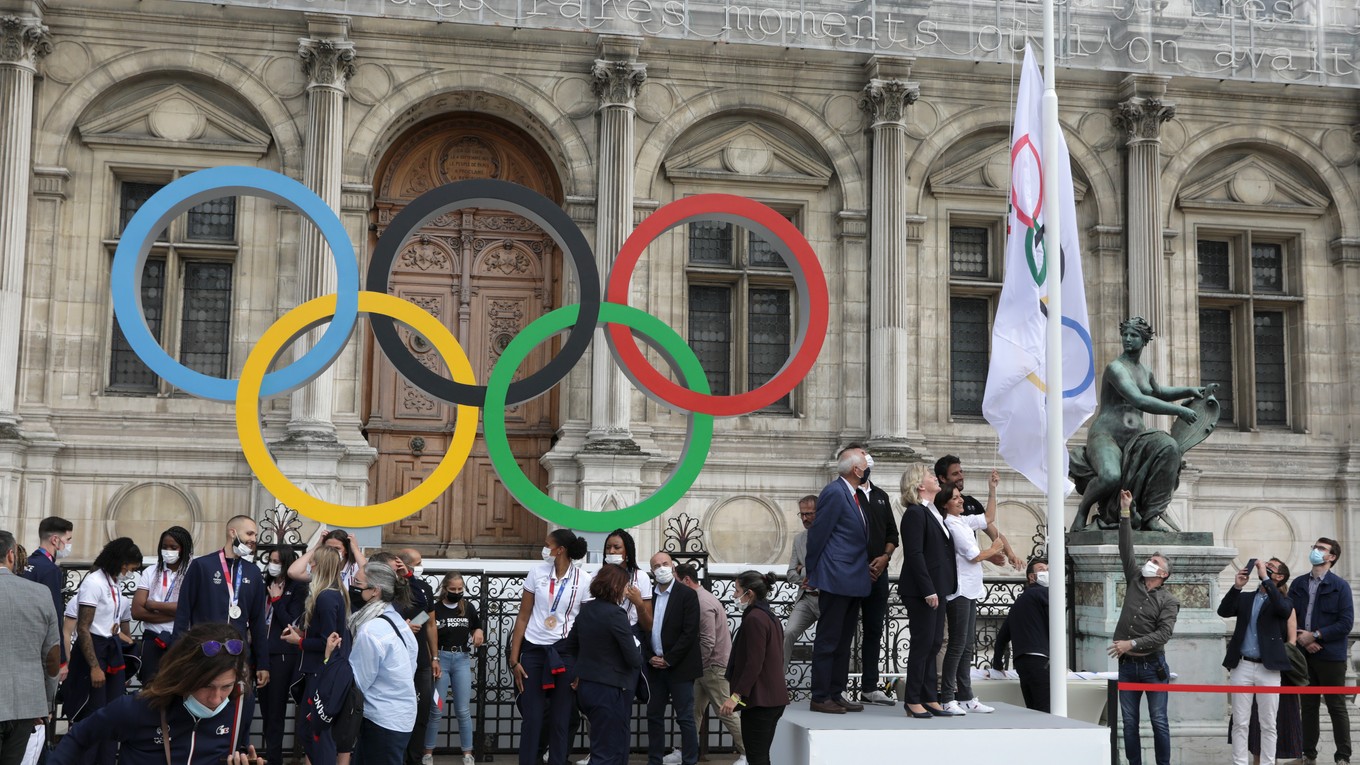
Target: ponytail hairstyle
[444, 587]
[577, 547]
[757, 584]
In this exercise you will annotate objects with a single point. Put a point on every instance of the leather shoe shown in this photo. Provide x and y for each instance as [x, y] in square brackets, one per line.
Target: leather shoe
[850, 706]
[827, 707]
[941, 712]
[918, 715]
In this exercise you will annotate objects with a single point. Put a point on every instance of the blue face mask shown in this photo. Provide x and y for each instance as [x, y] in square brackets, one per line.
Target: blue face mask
[1316, 557]
[197, 709]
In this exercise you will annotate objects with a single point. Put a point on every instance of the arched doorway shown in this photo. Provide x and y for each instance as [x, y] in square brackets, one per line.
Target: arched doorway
[486, 274]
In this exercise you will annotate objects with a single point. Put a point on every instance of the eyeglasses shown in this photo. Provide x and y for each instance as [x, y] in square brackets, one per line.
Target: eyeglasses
[807, 515]
[1323, 548]
[213, 647]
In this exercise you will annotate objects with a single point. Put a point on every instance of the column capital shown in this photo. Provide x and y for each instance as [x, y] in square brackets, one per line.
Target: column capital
[616, 82]
[23, 41]
[886, 101]
[1140, 118]
[327, 62]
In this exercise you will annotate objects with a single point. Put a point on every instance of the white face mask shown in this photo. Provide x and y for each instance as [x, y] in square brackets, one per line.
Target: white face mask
[62, 551]
[1151, 570]
[171, 557]
[547, 555]
[664, 575]
[617, 560]
[418, 570]
[1041, 578]
[275, 569]
[240, 548]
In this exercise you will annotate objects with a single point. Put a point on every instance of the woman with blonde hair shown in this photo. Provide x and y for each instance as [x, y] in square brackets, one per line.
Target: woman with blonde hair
[324, 615]
[919, 485]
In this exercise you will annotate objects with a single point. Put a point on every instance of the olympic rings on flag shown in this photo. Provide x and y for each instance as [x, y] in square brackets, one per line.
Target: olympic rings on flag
[287, 329]
[342, 310]
[697, 442]
[186, 192]
[784, 238]
[497, 195]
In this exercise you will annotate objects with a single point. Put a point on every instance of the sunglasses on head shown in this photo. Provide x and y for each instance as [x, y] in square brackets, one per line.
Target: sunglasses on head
[213, 647]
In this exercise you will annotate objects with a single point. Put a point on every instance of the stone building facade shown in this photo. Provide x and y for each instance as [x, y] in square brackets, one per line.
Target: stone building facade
[1225, 210]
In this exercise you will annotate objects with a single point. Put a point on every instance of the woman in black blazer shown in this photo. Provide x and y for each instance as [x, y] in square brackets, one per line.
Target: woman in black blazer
[929, 576]
[607, 661]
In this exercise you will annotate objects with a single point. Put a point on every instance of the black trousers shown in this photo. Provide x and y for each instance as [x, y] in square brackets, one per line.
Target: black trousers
[831, 649]
[1326, 673]
[14, 735]
[415, 746]
[1034, 681]
[609, 710]
[873, 613]
[757, 732]
[927, 635]
[283, 672]
[151, 655]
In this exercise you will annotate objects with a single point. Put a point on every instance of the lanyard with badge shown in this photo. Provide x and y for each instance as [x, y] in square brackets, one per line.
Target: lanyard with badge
[117, 604]
[552, 621]
[233, 590]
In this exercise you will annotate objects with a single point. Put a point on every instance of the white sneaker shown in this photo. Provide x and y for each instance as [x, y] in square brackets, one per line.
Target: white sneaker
[427, 759]
[973, 705]
[585, 761]
[740, 760]
[469, 760]
[954, 707]
[674, 758]
[545, 756]
[876, 697]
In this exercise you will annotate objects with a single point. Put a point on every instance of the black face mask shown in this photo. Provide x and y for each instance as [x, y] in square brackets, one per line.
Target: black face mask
[864, 478]
[453, 597]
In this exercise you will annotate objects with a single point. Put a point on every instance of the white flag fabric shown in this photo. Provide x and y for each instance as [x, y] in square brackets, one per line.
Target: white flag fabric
[1014, 401]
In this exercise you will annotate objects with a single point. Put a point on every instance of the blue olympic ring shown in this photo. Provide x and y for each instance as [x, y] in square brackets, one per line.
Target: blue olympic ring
[1090, 378]
[187, 192]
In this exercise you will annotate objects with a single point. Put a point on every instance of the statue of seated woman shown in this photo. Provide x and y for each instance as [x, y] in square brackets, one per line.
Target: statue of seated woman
[1121, 452]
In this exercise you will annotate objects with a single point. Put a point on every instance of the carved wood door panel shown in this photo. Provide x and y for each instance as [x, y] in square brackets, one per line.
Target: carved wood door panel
[485, 274]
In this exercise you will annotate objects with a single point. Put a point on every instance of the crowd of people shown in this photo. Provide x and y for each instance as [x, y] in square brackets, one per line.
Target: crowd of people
[362, 647]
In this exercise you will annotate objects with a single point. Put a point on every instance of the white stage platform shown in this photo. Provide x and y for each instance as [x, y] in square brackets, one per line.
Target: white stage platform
[1013, 735]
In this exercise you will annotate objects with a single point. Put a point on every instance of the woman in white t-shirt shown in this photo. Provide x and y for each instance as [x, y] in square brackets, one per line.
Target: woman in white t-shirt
[97, 674]
[956, 689]
[157, 598]
[621, 550]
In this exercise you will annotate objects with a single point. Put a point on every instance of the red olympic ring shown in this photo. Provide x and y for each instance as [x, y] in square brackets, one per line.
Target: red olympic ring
[1026, 218]
[797, 253]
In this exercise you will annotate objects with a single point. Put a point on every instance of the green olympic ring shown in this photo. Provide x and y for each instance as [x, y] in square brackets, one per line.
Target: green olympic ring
[697, 442]
[1032, 238]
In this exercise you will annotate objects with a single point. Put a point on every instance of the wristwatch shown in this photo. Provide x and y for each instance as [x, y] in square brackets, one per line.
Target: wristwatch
[1133, 644]
[1317, 636]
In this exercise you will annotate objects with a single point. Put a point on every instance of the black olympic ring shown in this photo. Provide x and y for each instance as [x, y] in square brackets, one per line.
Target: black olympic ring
[499, 195]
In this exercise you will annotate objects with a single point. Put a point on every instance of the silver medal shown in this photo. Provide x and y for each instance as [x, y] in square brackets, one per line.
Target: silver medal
[234, 612]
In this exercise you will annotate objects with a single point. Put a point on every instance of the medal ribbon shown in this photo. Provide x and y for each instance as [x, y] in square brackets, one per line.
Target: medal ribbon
[117, 604]
[233, 591]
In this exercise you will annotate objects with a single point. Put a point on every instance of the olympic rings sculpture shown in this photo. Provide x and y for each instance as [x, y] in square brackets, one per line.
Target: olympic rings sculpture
[341, 312]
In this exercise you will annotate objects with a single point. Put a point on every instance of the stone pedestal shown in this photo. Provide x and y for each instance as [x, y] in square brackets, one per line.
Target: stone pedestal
[1195, 653]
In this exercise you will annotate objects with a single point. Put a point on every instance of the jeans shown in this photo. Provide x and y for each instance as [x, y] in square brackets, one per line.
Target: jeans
[14, 736]
[609, 710]
[713, 688]
[455, 688]
[804, 614]
[680, 694]
[759, 724]
[831, 649]
[380, 746]
[1326, 673]
[873, 612]
[1143, 669]
[956, 676]
[1268, 706]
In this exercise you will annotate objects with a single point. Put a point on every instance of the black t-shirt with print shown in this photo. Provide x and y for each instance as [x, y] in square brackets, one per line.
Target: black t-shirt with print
[455, 628]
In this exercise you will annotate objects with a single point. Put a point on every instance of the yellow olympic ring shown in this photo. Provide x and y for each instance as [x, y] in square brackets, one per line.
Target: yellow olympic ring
[283, 332]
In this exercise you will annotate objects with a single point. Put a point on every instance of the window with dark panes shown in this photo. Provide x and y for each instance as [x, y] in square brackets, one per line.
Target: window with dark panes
[974, 286]
[740, 308]
[1248, 310]
[186, 290]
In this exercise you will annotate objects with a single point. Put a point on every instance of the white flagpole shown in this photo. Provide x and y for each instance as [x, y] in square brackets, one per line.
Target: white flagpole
[1057, 523]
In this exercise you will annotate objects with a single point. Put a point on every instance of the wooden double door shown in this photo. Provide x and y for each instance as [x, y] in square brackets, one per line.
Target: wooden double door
[485, 274]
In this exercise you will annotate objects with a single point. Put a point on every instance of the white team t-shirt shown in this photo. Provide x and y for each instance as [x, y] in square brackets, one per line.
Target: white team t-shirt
[963, 529]
[644, 584]
[162, 586]
[109, 603]
[567, 594]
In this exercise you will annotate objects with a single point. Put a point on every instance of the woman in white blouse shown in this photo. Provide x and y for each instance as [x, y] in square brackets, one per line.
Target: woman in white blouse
[956, 689]
[157, 598]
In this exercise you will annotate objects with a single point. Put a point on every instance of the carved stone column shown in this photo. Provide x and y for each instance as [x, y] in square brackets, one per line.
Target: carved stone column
[886, 99]
[1140, 116]
[23, 40]
[617, 78]
[328, 63]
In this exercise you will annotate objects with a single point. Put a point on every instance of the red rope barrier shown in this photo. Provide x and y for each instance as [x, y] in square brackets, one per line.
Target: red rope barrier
[1315, 690]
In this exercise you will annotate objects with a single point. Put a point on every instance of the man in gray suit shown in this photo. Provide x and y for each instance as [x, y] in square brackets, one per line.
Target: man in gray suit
[805, 609]
[28, 649]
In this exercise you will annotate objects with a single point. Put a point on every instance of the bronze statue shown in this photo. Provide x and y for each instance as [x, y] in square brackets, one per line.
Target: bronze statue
[1122, 453]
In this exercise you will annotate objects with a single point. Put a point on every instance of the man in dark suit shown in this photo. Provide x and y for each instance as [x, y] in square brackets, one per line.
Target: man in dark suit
[1325, 614]
[883, 540]
[838, 567]
[673, 662]
[929, 576]
[1256, 655]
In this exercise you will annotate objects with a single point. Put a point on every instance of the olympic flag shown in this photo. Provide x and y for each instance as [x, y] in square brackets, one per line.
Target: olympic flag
[1014, 402]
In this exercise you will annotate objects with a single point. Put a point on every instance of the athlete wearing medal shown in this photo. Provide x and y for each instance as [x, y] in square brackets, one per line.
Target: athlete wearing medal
[225, 586]
[553, 593]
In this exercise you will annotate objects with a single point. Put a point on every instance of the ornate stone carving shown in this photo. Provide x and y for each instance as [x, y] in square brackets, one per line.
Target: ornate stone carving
[616, 83]
[505, 319]
[1141, 119]
[23, 41]
[327, 63]
[507, 259]
[423, 254]
[887, 100]
[415, 401]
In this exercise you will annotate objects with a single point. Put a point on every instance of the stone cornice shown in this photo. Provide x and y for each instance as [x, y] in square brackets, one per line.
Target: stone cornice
[327, 63]
[886, 101]
[23, 41]
[616, 82]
